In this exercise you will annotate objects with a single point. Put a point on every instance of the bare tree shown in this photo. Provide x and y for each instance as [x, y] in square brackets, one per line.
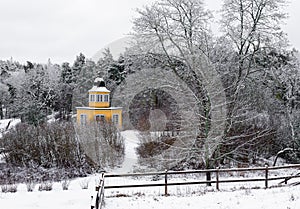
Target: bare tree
[251, 26]
[177, 33]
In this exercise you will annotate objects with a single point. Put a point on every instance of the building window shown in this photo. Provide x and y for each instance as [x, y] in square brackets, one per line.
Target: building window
[92, 98]
[115, 119]
[99, 98]
[106, 98]
[99, 118]
[83, 119]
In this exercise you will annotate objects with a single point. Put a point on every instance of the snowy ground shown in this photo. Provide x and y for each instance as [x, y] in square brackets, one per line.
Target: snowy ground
[130, 160]
[196, 197]
[278, 198]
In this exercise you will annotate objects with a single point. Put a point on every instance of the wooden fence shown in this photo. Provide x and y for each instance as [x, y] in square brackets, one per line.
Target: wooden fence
[98, 198]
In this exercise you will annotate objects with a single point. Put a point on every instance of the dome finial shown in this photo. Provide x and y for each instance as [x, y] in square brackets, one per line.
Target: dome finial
[99, 82]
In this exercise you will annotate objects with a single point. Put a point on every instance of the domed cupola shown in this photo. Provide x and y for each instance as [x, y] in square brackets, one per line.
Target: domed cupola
[99, 108]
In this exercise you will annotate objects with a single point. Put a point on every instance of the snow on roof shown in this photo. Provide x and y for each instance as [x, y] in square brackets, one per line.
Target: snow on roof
[99, 86]
[99, 80]
[99, 108]
[100, 89]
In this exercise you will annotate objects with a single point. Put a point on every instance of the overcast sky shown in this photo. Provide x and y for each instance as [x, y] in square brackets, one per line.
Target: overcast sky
[36, 30]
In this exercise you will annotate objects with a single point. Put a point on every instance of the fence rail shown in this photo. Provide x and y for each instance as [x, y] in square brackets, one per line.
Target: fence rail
[266, 178]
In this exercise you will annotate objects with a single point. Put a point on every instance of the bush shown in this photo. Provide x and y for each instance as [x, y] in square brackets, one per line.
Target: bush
[30, 186]
[9, 188]
[84, 184]
[65, 184]
[46, 186]
[58, 151]
[103, 144]
[150, 148]
[49, 146]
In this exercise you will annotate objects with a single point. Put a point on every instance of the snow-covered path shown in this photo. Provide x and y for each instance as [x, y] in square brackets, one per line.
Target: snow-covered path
[130, 160]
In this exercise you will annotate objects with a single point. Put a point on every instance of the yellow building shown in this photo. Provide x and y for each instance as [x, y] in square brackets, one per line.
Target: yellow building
[99, 108]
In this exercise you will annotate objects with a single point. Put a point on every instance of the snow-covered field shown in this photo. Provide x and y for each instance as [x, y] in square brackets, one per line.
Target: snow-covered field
[278, 198]
[193, 197]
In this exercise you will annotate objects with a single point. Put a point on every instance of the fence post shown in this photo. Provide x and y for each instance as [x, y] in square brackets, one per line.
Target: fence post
[102, 189]
[217, 179]
[97, 197]
[208, 177]
[102, 177]
[92, 206]
[166, 182]
[266, 176]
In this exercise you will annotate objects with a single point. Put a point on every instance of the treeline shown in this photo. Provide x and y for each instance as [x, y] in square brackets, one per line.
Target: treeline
[47, 144]
[34, 91]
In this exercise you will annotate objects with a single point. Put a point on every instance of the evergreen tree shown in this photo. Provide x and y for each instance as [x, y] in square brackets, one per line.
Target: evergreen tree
[77, 66]
[117, 72]
[104, 64]
[84, 82]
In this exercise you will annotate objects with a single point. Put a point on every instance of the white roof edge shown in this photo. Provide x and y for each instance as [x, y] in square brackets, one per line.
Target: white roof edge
[100, 108]
[99, 89]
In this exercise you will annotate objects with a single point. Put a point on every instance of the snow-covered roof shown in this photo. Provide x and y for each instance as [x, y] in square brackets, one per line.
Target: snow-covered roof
[99, 108]
[99, 89]
[99, 86]
[98, 80]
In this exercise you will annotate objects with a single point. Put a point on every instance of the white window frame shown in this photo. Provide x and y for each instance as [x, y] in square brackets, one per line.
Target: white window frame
[116, 122]
[83, 119]
[97, 97]
[106, 98]
[92, 97]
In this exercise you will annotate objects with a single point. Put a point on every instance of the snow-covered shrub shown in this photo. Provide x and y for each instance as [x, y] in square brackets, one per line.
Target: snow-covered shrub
[48, 146]
[46, 186]
[102, 143]
[84, 184]
[9, 188]
[65, 184]
[30, 186]
[149, 148]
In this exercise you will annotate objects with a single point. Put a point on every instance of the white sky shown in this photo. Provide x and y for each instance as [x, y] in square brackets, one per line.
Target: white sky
[36, 30]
